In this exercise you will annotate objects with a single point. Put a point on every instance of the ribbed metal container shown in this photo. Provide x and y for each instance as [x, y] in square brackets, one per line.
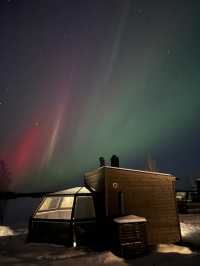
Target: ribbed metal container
[130, 235]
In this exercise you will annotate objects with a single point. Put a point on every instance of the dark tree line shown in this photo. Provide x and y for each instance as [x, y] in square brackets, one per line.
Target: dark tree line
[4, 187]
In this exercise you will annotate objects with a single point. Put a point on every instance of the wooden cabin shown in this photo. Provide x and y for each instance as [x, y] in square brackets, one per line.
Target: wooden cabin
[151, 195]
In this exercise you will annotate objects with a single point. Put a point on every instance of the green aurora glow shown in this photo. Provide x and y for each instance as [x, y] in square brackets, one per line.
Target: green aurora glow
[129, 87]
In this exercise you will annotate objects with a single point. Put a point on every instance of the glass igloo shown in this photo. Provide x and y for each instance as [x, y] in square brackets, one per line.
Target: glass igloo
[66, 217]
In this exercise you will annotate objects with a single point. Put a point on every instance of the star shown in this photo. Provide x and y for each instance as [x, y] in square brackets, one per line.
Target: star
[37, 124]
[140, 11]
[169, 51]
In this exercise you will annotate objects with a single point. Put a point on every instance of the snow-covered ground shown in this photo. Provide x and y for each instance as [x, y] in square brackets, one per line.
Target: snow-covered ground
[15, 252]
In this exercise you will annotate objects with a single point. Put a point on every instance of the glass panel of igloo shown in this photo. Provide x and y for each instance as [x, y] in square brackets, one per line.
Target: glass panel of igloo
[84, 207]
[50, 208]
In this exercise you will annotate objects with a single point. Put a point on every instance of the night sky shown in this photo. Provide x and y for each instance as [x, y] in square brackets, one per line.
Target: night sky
[83, 79]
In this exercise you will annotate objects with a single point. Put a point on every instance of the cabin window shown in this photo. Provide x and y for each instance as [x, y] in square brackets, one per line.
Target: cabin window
[121, 203]
[50, 203]
[84, 207]
[181, 195]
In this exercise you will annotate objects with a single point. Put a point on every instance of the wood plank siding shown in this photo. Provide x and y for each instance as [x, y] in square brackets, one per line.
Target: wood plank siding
[142, 193]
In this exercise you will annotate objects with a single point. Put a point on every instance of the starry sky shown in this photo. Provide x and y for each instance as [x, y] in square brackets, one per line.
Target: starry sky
[83, 79]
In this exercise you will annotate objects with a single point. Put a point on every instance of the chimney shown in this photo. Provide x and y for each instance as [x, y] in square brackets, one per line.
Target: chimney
[101, 161]
[114, 161]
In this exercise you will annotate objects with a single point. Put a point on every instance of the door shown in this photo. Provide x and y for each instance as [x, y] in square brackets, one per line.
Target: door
[84, 220]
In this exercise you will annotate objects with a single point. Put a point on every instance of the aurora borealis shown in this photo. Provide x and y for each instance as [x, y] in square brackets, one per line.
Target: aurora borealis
[83, 79]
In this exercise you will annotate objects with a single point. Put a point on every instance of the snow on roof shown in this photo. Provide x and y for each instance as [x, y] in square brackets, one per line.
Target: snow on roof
[127, 169]
[72, 191]
[135, 170]
[129, 219]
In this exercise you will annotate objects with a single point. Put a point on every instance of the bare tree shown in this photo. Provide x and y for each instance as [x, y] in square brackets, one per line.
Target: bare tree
[4, 187]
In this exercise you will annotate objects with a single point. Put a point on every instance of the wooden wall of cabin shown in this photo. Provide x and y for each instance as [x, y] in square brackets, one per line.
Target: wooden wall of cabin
[144, 194]
[95, 180]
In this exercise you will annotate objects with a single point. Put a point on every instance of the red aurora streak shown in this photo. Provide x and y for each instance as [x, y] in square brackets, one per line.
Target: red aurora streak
[27, 151]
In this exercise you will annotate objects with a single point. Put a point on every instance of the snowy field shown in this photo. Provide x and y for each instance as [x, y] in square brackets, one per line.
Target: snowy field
[15, 252]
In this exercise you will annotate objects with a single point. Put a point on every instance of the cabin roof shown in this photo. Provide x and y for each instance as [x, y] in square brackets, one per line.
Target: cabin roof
[127, 169]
